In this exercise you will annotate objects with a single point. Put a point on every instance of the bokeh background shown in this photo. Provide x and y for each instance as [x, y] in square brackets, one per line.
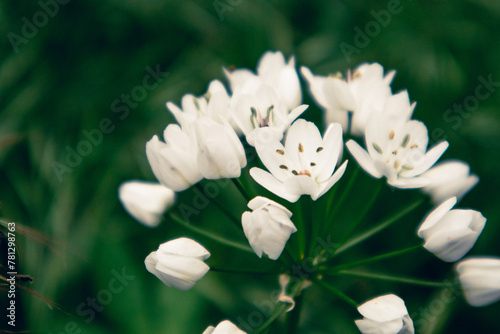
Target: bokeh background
[70, 70]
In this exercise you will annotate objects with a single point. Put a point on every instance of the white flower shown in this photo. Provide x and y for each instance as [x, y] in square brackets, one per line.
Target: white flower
[224, 327]
[220, 152]
[480, 280]
[397, 150]
[268, 227]
[363, 93]
[385, 315]
[448, 179]
[174, 162]
[145, 201]
[450, 234]
[213, 104]
[304, 165]
[262, 110]
[178, 263]
[273, 71]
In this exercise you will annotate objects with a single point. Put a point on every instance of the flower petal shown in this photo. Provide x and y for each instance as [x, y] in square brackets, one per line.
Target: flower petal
[363, 158]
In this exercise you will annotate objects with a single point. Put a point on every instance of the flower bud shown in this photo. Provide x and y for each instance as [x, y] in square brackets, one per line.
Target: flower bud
[178, 263]
[268, 227]
[480, 280]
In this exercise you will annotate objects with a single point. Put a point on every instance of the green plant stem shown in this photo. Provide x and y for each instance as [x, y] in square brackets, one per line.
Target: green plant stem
[292, 290]
[215, 237]
[379, 227]
[330, 216]
[390, 278]
[370, 260]
[221, 207]
[336, 292]
[301, 233]
[243, 272]
[239, 185]
[353, 226]
[292, 318]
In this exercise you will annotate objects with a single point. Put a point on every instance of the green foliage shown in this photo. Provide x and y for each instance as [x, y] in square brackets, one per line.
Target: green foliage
[65, 80]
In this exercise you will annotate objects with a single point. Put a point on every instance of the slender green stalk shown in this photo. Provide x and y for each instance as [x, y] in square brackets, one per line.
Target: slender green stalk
[215, 237]
[330, 217]
[379, 227]
[336, 292]
[221, 207]
[390, 278]
[292, 318]
[243, 272]
[370, 260]
[301, 232]
[292, 290]
[239, 185]
[366, 208]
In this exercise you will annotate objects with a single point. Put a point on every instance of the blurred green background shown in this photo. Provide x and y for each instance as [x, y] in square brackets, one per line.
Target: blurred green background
[66, 66]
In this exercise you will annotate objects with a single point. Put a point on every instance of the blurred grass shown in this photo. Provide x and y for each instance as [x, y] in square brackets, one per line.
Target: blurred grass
[64, 80]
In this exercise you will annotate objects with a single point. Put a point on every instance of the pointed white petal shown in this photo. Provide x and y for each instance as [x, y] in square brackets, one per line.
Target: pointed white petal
[363, 158]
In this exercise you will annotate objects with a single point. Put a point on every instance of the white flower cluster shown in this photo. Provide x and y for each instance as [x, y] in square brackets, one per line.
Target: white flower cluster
[263, 107]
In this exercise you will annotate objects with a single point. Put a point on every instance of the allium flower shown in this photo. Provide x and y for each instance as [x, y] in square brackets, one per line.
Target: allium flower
[385, 315]
[213, 104]
[304, 165]
[397, 151]
[448, 179]
[480, 280]
[174, 162]
[273, 71]
[145, 201]
[262, 110]
[268, 227]
[363, 93]
[451, 234]
[224, 327]
[178, 263]
[220, 152]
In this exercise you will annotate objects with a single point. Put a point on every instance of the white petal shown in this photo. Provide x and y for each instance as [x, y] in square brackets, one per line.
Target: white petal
[363, 158]
[428, 160]
[184, 247]
[409, 182]
[384, 308]
[146, 201]
[436, 215]
[272, 184]
[324, 187]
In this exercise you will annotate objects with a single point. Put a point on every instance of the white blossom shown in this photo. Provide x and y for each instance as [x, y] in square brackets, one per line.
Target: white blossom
[220, 152]
[224, 327]
[178, 263]
[448, 179]
[480, 280]
[450, 234]
[385, 315]
[268, 227]
[174, 162]
[146, 201]
[363, 94]
[304, 165]
[397, 149]
[213, 104]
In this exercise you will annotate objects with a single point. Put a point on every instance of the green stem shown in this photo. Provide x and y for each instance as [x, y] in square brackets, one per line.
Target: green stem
[372, 259]
[292, 318]
[301, 232]
[241, 188]
[379, 227]
[390, 278]
[332, 213]
[336, 292]
[291, 290]
[221, 207]
[215, 237]
[243, 272]
[366, 209]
